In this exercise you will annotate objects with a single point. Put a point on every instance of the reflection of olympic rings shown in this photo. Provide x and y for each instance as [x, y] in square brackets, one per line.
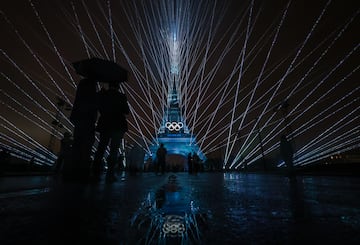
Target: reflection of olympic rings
[174, 126]
[173, 225]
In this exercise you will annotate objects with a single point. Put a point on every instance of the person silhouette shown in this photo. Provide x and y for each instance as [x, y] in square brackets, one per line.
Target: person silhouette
[286, 151]
[4, 160]
[195, 162]
[83, 116]
[190, 163]
[112, 126]
[65, 152]
[161, 158]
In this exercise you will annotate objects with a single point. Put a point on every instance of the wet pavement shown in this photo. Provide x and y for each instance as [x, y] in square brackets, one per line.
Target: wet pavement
[207, 208]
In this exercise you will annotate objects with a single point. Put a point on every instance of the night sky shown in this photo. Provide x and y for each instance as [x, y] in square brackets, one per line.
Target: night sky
[312, 64]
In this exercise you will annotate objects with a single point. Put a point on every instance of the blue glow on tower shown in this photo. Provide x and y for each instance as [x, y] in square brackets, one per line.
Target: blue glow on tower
[173, 131]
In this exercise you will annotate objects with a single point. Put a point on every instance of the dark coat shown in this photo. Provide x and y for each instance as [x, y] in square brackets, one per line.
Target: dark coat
[85, 106]
[113, 107]
[161, 154]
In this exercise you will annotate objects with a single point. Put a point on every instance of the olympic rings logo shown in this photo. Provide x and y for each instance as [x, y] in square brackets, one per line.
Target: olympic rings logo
[174, 126]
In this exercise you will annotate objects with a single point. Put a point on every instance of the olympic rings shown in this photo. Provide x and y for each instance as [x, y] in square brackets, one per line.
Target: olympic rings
[174, 126]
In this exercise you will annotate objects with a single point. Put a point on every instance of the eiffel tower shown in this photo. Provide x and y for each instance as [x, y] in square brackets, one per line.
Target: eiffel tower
[173, 131]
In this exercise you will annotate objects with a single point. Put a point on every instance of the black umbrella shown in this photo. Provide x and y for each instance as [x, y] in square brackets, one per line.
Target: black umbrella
[101, 70]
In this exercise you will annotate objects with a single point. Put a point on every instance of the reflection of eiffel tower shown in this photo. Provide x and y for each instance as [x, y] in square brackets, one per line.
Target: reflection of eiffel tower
[173, 132]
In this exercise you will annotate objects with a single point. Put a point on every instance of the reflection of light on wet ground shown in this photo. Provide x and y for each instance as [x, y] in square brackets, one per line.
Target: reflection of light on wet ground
[168, 216]
[213, 208]
[174, 226]
[30, 192]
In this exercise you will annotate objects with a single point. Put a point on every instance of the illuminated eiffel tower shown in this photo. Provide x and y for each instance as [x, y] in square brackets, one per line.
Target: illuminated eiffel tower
[173, 131]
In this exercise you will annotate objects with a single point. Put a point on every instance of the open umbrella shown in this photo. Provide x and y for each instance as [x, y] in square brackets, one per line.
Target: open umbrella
[101, 70]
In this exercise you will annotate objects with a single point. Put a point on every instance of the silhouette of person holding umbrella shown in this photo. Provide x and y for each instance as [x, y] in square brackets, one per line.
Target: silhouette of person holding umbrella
[112, 125]
[111, 104]
[83, 116]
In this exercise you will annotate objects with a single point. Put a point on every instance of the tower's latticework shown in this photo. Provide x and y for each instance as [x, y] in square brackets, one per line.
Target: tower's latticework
[174, 132]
